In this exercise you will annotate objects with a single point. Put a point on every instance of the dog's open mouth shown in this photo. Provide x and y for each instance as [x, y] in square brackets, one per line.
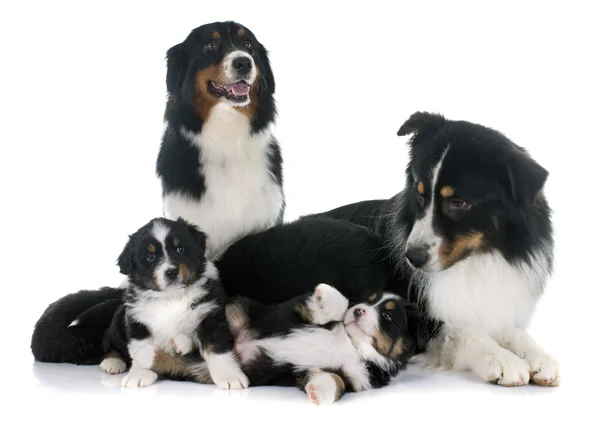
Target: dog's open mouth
[237, 91]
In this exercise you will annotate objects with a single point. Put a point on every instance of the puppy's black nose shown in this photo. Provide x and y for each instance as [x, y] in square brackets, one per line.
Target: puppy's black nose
[359, 312]
[172, 273]
[242, 64]
[417, 256]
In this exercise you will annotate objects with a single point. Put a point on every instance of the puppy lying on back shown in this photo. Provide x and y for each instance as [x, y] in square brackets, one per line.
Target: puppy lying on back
[174, 303]
[315, 342]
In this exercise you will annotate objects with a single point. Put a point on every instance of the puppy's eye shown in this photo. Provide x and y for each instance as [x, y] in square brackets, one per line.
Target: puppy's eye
[210, 46]
[386, 315]
[180, 249]
[150, 257]
[247, 44]
[457, 204]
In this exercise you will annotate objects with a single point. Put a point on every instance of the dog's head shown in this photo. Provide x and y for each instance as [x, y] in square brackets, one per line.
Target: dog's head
[220, 62]
[387, 329]
[164, 254]
[470, 190]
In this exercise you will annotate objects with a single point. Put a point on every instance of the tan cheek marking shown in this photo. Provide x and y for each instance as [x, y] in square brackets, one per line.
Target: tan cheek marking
[216, 35]
[151, 248]
[450, 252]
[241, 32]
[185, 272]
[372, 297]
[447, 191]
[382, 343]
[397, 349]
[420, 187]
[390, 305]
[204, 100]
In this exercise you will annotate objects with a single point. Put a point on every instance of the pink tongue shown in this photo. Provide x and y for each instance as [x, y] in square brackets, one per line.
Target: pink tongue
[239, 88]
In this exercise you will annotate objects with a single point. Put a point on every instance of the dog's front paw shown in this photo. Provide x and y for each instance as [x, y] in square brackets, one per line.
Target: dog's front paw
[231, 380]
[139, 377]
[543, 370]
[330, 304]
[322, 389]
[113, 365]
[182, 344]
[504, 368]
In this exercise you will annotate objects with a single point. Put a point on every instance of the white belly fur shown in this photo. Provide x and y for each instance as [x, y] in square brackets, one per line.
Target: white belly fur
[241, 196]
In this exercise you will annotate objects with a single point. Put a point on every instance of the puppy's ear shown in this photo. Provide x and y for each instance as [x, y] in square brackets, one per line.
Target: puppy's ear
[198, 235]
[526, 178]
[417, 326]
[421, 122]
[177, 64]
[269, 79]
[125, 260]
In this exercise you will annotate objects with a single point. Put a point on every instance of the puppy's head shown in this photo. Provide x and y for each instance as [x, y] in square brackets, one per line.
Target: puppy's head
[391, 329]
[470, 190]
[164, 254]
[219, 62]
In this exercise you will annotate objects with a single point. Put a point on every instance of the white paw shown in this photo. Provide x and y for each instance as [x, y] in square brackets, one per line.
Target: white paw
[504, 368]
[112, 365]
[225, 371]
[139, 377]
[182, 344]
[331, 305]
[544, 370]
[322, 389]
[231, 381]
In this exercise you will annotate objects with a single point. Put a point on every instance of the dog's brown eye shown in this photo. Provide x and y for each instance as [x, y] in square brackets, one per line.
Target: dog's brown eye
[210, 45]
[180, 249]
[386, 315]
[150, 257]
[459, 204]
[247, 44]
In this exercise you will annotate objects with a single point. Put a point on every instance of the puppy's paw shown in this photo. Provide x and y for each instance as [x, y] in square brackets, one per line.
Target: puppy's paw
[182, 344]
[231, 381]
[330, 304]
[322, 389]
[543, 370]
[225, 371]
[113, 365]
[139, 377]
[504, 368]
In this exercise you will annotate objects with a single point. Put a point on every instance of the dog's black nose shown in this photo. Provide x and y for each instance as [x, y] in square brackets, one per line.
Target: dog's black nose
[417, 256]
[359, 312]
[172, 273]
[242, 64]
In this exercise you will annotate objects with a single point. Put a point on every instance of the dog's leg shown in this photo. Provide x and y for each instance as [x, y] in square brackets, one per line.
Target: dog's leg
[113, 363]
[543, 369]
[322, 387]
[142, 351]
[326, 304]
[469, 349]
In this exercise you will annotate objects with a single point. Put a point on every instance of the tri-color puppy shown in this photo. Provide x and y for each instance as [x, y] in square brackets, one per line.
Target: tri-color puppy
[174, 302]
[219, 164]
[315, 342]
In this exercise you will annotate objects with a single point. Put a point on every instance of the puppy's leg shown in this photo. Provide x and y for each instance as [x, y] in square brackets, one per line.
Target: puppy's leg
[543, 369]
[182, 344]
[322, 387]
[216, 346]
[326, 304]
[468, 349]
[142, 351]
[113, 363]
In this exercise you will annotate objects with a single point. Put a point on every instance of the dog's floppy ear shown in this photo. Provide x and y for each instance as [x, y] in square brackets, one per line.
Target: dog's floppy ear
[198, 235]
[125, 260]
[177, 64]
[269, 79]
[417, 326]
[421, 122]
[526, 178]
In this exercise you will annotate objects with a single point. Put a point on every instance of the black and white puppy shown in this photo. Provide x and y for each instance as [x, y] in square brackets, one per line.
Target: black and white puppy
[219, 164]
[471, 239]
[174, 303]
[315, 342]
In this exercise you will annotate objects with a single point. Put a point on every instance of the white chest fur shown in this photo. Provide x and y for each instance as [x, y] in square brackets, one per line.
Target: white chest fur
[241, 196]
[486, 292]
[169, 316]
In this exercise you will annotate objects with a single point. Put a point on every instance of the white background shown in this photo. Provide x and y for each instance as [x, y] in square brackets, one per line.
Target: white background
[82, 96]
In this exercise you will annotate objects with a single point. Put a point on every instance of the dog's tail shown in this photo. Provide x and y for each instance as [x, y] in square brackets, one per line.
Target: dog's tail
[72, 329]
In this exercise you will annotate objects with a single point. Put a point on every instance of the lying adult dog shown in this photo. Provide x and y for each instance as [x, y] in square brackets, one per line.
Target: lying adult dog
[471, 237]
